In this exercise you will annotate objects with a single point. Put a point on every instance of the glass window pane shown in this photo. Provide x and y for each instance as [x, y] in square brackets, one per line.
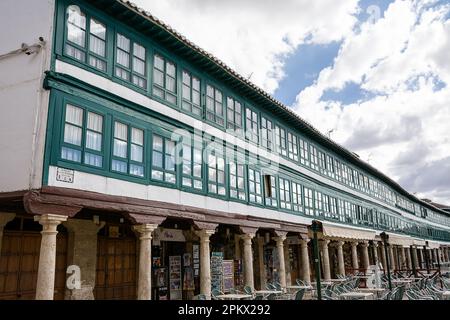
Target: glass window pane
[98, 29]
[158, 77]
[136, 153]
[93, 140]
[72, 134]
[120, 148]
[137, 136]
[123, 58]
[120, 131]
[157, 159]
[159, 62]
[170, 69]
[95, 122]
[74, 115]
[157, 143]
[139, 51]
[123, 43]
[138, 66]
[71, 154]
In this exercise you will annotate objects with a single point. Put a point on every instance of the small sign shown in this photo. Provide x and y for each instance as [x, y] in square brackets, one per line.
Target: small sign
[64, 175]
[113, 231]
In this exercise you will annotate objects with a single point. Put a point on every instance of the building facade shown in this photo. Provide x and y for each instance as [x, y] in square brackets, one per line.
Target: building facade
[134, 163]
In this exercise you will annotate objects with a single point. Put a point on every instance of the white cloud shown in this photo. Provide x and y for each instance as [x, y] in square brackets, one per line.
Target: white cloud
[404, 128]
[254, 37]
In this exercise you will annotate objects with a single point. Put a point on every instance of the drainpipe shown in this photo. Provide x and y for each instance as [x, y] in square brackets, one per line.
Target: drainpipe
[315, 226]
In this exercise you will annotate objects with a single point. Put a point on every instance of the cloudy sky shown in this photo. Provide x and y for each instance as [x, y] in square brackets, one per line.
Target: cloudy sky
[376, 72]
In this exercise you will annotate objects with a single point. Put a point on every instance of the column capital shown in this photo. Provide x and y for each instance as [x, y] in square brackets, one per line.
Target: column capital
[5, 218]
[304, 242]
[281, 233]
[340, 243]
[324, 242]
[145, 230]
[247, 237]
[279, 240]
[204, 234]
[375, 243]
[50, 222]
[354, 243]
[364, 244]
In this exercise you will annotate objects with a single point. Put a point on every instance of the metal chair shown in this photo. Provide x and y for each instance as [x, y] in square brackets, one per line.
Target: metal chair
[299, 294]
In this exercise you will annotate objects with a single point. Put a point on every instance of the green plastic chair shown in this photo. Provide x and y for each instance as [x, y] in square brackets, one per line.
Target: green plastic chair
[248, 290]
[299, 294]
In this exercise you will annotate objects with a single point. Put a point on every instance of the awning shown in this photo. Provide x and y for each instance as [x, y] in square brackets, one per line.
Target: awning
[333, 231]
[398, 240]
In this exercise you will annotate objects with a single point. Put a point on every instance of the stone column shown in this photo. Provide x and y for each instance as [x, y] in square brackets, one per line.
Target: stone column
[325, 260]
[383, 255]
[365, 254]
[306, 272]
[4, 219]
[248, 260]
[262, 267]
[280, 249]
[355, 263]
[414, 257]
[420, 254]
[375, 252]
[403, 258]
[205, 262]
[144, 291]
[287, 264]
[45, 286]
[391, 257]
[83, 254]
[340, 257]
[408, 258]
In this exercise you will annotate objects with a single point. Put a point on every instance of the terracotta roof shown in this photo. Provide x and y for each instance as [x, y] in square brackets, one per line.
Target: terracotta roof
[220, 64]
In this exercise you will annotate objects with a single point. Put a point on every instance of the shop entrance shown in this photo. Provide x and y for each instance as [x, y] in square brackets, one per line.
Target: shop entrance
[116, 263]
[19, 260]
[175, 262]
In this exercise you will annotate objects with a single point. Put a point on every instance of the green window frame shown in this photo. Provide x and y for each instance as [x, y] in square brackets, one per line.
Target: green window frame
[164, 79]
[234, 115]
[85, 38]
[251, 125]
[342, 210]
[309, 201]
[280, 140]
[164, 160]
[272, 200]
[285, 193]
[237, 177]
[130, 63]
[214, 108]
[266, 133]
[314, 157]
[318, 203]
[192, 172]
[297, 197]
[333, 206]
[323, 162]
[254, 186]
[330, 167]
[292, 146]
[304, 152]
[128, 154]
[216, 173]
[83, 136]
[191, 93]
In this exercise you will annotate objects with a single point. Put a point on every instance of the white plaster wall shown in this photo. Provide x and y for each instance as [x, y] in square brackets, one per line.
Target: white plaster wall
[23, 102]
